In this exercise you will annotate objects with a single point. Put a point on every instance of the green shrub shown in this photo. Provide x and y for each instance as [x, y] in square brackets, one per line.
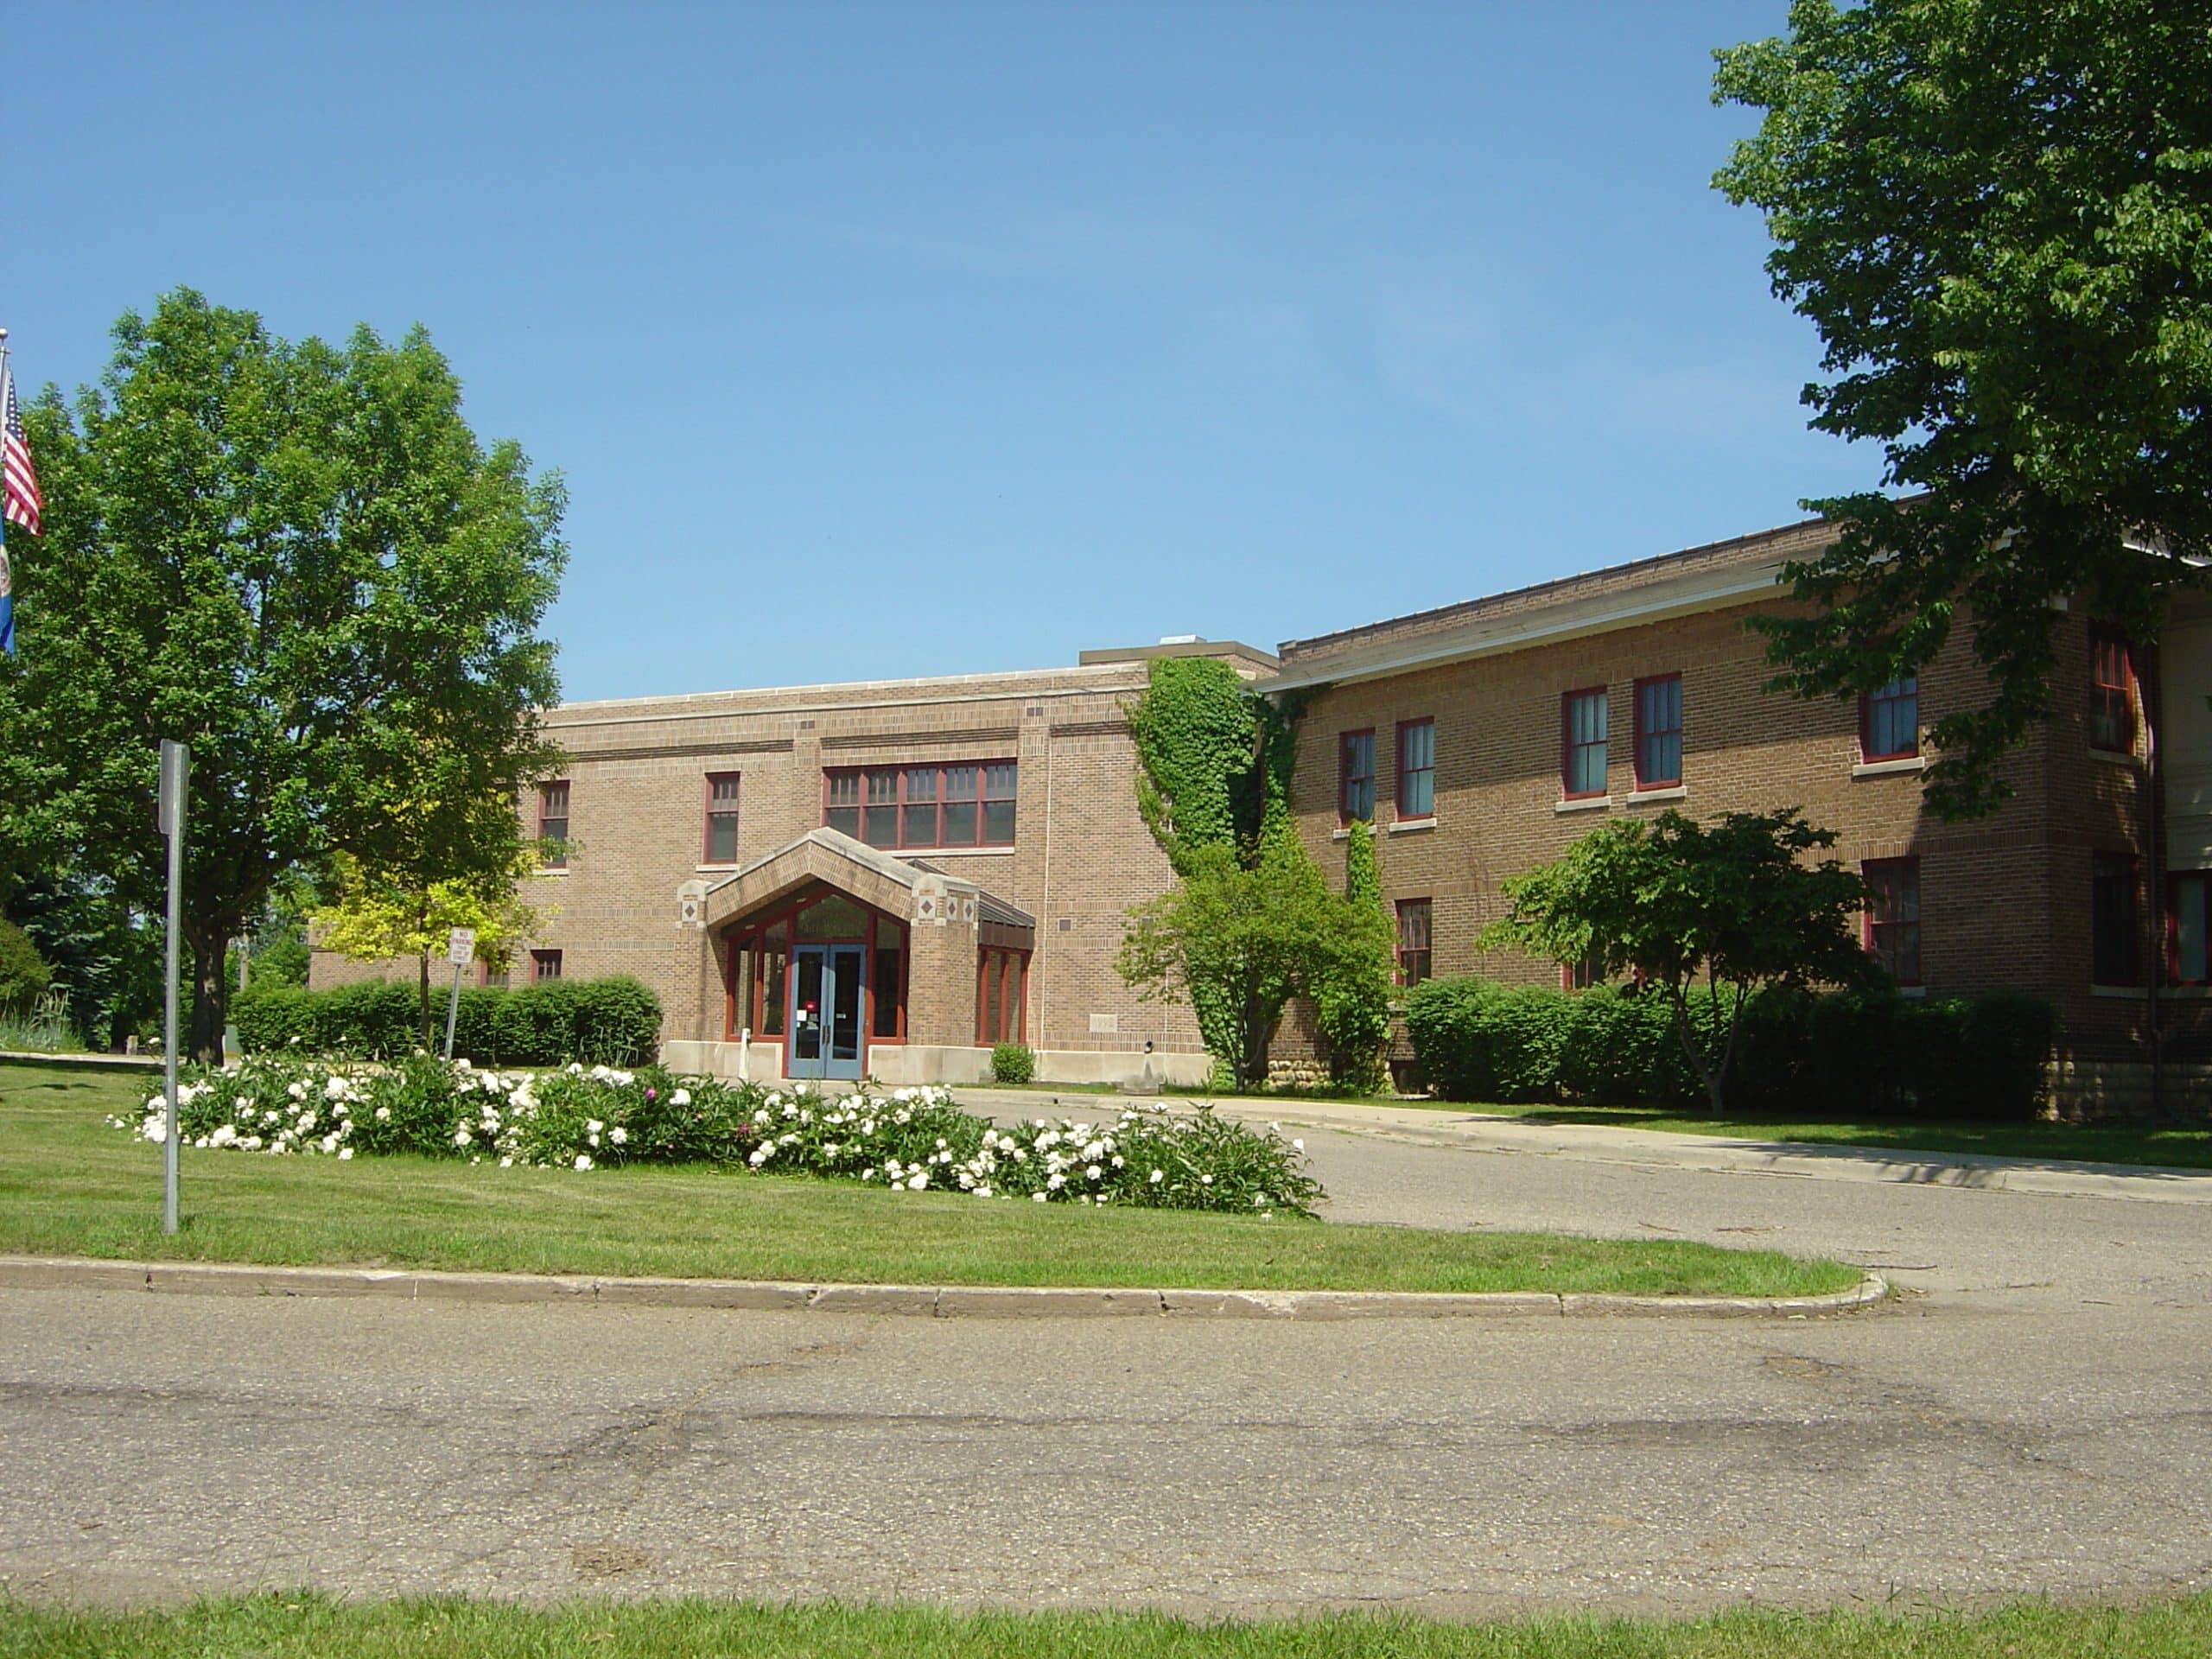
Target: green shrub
[1476, 1040]
[617, 1022]
[23, 973]
[1012, 1063]
[612, 1021]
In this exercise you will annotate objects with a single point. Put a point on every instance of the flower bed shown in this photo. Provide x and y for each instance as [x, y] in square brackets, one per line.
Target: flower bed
[902, 1139]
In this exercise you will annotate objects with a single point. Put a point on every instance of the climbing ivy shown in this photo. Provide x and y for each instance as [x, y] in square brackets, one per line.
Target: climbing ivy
[1351, 998]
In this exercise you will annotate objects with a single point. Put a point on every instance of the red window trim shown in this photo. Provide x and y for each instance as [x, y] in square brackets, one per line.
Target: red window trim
[538, 962]
[1399, 772]
[1400, 950]
[1867, 870]
[1567, 741]
[558, 860]
[1013, 966]
[1344, 814]
[1637, 734]
[753, 993]
[898, 800]
[1866, 752]
[2176, 880]
[2100, 635]
[707, 827]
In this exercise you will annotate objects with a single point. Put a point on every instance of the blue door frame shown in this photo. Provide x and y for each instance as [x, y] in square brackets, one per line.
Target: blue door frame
[828, 1013]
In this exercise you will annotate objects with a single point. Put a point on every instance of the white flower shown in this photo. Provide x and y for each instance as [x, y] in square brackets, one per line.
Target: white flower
[224, 1135]
[576, 1068]
[334, 1089]
[1300, 1145]
[1094, 1172]
[504, 1163]
[583, 1160]
[1039, 1197]
[680, 1098]
[1056, 1181]
[617, 1135]
[328, 1144]
[594, 1127]
[1206, 1180]
[157, 1130]
[1118, 1161]
[460, 1136]
[1158, 1176]
[917, 1182]
[760, 1156]
[344, 1152]
[384, 1114]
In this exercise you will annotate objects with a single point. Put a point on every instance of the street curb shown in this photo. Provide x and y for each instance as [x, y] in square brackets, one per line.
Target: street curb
[943, 1302]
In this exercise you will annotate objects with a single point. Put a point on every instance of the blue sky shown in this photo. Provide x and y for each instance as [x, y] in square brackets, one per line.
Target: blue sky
[932, 339]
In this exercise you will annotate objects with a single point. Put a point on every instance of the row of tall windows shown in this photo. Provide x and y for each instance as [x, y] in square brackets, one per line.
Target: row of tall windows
[1656, 737]
[1415, 773]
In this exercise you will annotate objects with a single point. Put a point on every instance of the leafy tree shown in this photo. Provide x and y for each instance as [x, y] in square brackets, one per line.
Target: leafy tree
[298, 559]
[380, 915]
[1997, 215]
[1723, 911]
[1352, 997]
[1245, 939]
[23, 973]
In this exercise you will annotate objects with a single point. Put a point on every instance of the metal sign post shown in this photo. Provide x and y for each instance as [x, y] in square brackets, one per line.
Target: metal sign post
[461, 950]
[175, 764]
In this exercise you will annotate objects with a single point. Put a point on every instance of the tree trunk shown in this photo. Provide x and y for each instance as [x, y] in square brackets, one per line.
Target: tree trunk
[210, 990]
[422, 989]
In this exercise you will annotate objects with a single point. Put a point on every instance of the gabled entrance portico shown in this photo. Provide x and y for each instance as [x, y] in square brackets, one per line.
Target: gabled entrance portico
[837, 961]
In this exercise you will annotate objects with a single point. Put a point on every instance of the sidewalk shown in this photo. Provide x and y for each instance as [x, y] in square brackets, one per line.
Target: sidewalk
[1599, 1143]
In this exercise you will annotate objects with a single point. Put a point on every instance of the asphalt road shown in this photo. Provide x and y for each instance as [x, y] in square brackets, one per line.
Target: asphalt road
[2035, 1418]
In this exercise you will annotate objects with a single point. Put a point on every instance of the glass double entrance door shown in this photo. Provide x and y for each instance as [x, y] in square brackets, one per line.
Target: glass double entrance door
[826, 982]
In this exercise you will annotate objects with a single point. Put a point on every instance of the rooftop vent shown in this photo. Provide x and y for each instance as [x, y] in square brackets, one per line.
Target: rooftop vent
[1182, 639]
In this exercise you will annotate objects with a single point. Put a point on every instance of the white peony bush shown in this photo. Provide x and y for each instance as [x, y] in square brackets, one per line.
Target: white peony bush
[582, 1119]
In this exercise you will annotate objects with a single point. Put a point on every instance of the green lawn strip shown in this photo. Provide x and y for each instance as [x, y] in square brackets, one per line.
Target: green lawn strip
[300, 1626]
[70, 1185]
[2169, 1146]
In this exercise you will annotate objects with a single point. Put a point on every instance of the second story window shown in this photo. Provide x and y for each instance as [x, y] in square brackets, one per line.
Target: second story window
[968, 804]
[1893, 918]
[1582, 744]
[1356, 777]
[1413, 952]
[721, 818]
[1889, 721]
[553, 824]
[1659, 732]
[1417, 769]
[2111, 693]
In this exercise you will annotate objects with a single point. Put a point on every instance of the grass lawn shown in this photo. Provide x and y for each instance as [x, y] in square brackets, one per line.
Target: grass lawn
[315, 1627]
[71, 1186]
[2174, 1147]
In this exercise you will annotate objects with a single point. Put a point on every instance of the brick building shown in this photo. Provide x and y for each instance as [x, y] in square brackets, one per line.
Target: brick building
[885, 878]
[1483, 738]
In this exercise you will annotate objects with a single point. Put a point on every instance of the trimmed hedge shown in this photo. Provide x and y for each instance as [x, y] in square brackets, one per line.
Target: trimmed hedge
[615, 1021]
[1836, 1054]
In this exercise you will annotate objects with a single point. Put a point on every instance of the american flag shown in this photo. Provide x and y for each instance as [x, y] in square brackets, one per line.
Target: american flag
[23, 502]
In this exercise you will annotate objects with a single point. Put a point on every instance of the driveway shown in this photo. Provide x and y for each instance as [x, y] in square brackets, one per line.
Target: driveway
[2035, 1417]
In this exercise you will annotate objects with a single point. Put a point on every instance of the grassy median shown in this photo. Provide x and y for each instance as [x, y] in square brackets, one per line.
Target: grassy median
[315, 1627]
[71, 1186]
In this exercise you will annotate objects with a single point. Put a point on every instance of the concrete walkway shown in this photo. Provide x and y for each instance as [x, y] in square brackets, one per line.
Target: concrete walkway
[1649, 1148]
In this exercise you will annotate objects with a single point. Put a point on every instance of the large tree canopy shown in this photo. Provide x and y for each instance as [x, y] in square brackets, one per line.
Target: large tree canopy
[298, 559]
[1998, 215]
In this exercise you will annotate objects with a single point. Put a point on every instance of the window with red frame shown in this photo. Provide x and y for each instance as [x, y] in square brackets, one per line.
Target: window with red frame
[2187, 958]
[1659, 732]
[1582, 744]
[1580, 975]
[721, 818]
[1414, 960]
[1893, 917]
[1416, 769]
[1001, 996]
[544, 965]
[1356, 777]
[2111, 693]
[2111, 919]
[553, 824]
[968, 804]
[1889, 721]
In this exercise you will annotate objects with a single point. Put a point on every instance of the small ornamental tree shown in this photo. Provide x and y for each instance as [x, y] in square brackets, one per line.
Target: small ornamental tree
[1246, 941]
[379, 917]
[1730, 909]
